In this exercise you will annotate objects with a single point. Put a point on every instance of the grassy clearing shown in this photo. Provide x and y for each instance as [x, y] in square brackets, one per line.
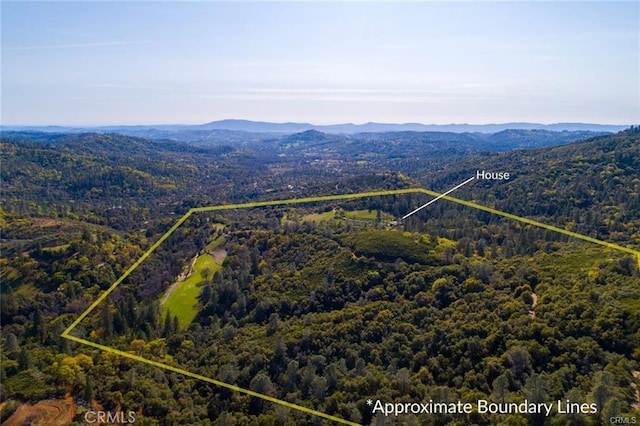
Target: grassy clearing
[215, 243]
[352, 214]
[367, 215]
[318, 217]
[183, 300]
[56, 249]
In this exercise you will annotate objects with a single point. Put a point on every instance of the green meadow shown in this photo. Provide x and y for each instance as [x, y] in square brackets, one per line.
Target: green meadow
[367, 215]
[183, 300]
[370, 215]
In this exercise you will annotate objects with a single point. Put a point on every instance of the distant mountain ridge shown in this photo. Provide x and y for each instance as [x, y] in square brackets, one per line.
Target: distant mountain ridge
[238, 125]
[371, 127]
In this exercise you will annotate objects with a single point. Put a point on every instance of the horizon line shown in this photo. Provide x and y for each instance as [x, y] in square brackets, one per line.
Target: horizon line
[406, 123]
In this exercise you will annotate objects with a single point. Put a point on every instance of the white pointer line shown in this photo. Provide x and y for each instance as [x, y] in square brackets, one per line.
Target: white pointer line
[438, 197]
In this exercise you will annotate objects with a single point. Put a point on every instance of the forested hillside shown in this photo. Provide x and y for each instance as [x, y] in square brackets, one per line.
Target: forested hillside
[591, 187]
[324, 305]
[84, 175]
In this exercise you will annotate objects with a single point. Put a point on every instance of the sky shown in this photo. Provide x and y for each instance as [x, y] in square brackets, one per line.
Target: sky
[87, 63]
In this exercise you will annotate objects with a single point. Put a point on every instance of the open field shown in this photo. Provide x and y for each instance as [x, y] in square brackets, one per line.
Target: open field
[348, 214]
[215, 244]
[318, 217]
[183, 298]
[367, 215]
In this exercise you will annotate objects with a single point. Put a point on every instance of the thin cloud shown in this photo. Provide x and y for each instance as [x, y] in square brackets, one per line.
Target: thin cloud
[270, 64]
[76, 45]
[470, 92]
[333, 97]
[120, 86]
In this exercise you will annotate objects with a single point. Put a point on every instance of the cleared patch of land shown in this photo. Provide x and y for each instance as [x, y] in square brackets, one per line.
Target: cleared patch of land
[56, 249]
[215, 244]
[534, 302]
[46, 222]
[50, 412]
[364, 215]
[318, 217]
[218, 255]
[181, 299]
[367, 215]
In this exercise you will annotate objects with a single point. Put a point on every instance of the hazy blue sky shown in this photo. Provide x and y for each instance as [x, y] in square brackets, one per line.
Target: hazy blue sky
[89, 63]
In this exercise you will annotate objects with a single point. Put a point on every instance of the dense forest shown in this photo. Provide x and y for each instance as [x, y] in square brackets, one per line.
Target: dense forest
[324, 305]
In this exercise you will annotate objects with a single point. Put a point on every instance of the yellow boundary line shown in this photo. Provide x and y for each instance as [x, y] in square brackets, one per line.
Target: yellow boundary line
[66, 334]
[210, 380]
